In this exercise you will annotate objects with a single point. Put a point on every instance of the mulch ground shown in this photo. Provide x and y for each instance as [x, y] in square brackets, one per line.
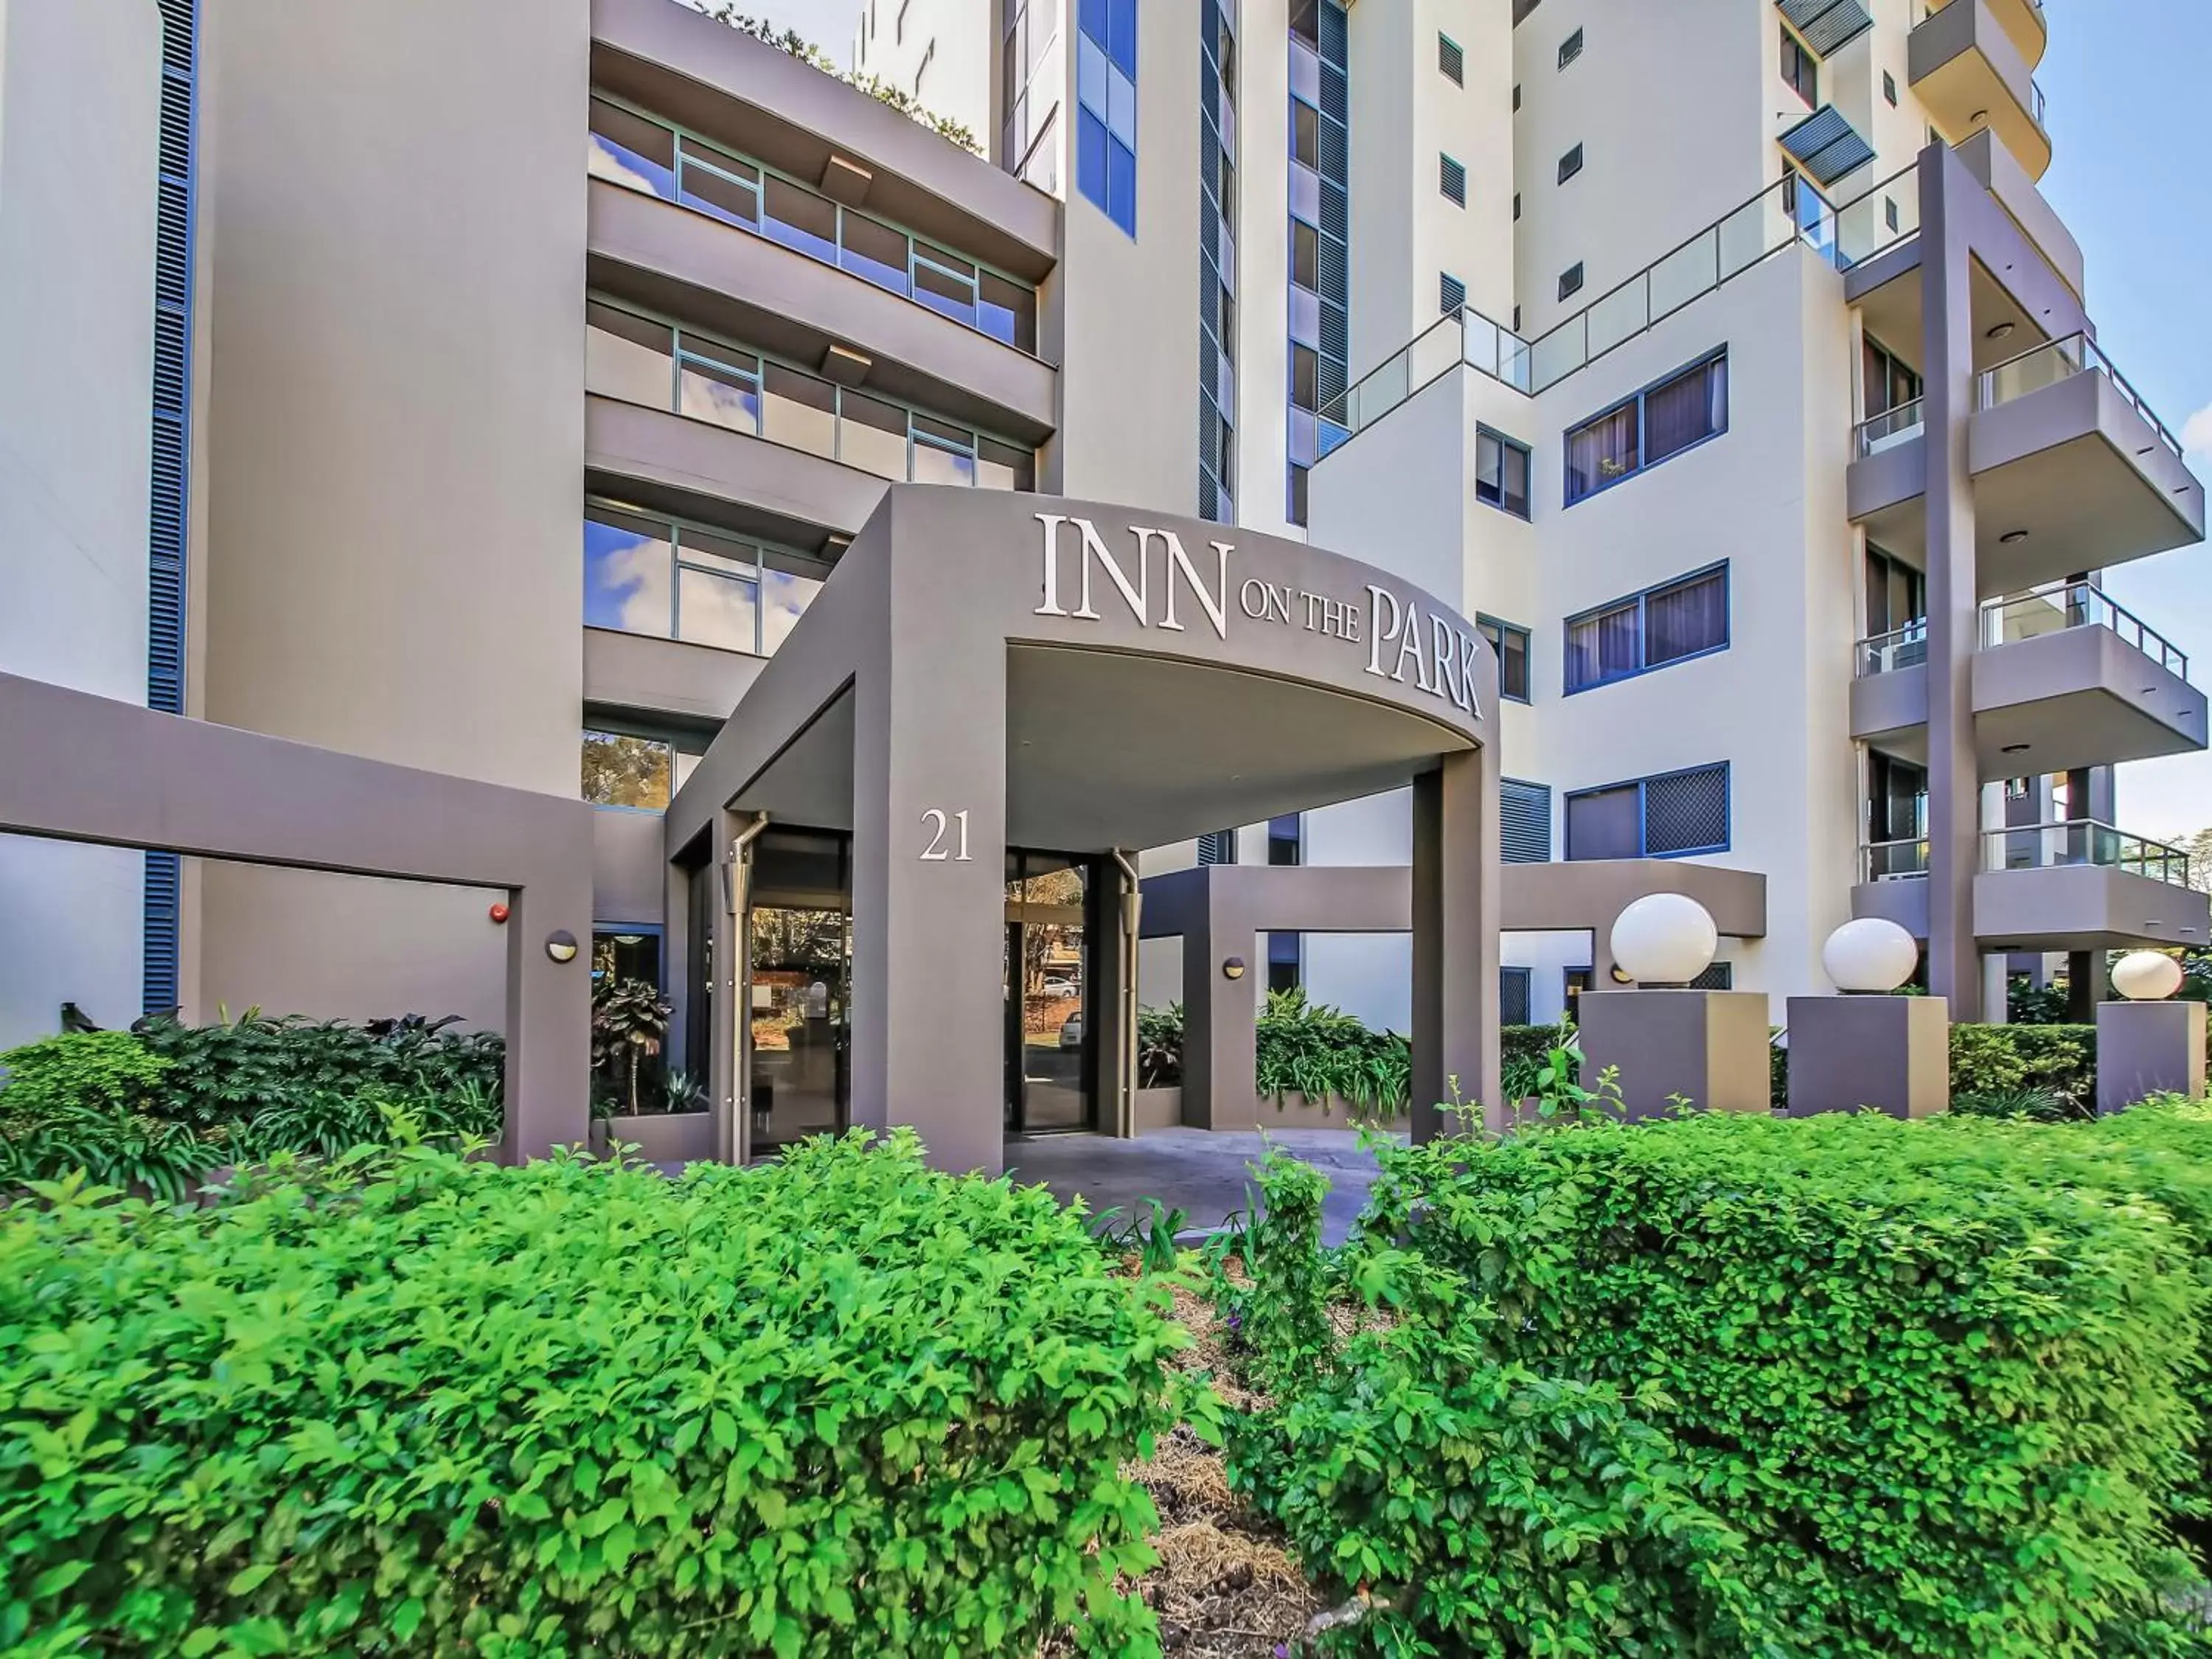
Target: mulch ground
[1226, 1586]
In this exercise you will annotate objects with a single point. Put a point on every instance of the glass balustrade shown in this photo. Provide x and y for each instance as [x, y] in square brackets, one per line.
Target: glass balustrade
[644, 360]
[1894, 860]
[643, 153]
[1901, 648]
[1889, 429]
[2054, 361]
[2084, 841]
[2060, 605]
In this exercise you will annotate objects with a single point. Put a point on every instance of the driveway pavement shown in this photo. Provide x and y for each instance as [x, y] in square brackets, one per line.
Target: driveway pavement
[1203, 1172]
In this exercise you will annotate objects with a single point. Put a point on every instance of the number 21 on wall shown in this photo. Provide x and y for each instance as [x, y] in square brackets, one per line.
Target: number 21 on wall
[948, 837]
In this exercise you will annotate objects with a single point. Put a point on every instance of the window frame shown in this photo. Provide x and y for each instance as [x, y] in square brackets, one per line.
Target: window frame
[597, 507]
[1642, 786]
[669, 737]
[1641, 600]
[1484, 625]
[1108, 141]
[1807, 60]
[1719, 354]
[1529, 462]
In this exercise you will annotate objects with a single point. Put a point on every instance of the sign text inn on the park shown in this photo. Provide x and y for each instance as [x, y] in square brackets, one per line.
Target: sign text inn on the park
[1163, 586]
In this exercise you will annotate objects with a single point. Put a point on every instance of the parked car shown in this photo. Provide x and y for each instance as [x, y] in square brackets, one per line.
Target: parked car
[1071, 1035]
[1060, 988]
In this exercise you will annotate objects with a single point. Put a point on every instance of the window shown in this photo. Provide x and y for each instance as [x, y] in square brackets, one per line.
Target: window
[1663, 420]
[1295, 509]
[1286, 835]
[1305, 255]
[1524, 822]
[1889, 211]
[1451, 178]
[1570, 48]
[1517, 206]
[1889, 88]
[1501, 472]
[1571, 283]
[1889, 383]
[1219, 848]
[1896, 596]
[1516, 316]
[1513, 995]
[679, 581]
[1669, 624]
[629, 769]
[1516, 97]
[1305, 378]
[1800, 69]
[1511, 645]
[1451, 293]
[1571, 164]
[1283, 961]
[620, 952]
[1106, 113]
[1305, 133]
[1450, 60]
[1669, 816]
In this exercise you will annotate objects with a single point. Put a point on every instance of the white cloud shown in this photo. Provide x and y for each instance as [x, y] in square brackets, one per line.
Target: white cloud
[2196, 438]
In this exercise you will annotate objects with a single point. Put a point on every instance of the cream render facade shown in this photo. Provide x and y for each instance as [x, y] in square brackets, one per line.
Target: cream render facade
[484, 462]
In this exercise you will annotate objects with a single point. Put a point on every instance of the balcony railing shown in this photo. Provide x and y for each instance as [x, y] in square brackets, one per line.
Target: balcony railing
[1790, 213]
[1889, 429]
[643, 153]
[2073, 604]
[2082, 841]
[644, 360]
[1901, 648]
[1894, 860]
[2054, 361]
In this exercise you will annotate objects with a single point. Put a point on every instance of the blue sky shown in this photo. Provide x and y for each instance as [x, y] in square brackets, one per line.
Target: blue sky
[2125, 79]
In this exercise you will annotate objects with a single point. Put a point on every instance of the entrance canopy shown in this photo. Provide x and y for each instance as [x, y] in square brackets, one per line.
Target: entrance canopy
[986, 668]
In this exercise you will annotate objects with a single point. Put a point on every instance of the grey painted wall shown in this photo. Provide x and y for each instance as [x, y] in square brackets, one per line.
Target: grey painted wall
[80, 99]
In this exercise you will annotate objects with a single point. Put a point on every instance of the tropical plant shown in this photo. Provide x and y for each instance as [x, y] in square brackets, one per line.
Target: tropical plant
[92, 1069]
[1149, 1234]
[1159, 1047]
[682, 1092]
[406, 1402]
[1318, 1051]
[2002, 1060]
[234, 1069]
[2026, 1101]
[629, 1021]
[112, 1146]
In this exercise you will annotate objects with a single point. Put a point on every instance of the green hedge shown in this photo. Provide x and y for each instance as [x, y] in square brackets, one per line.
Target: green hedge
[1941, 1386]
[2000, 1070]
[839, 1405]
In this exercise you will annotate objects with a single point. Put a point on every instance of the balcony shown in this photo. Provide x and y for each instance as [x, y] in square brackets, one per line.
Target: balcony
[1971, 73]
[2070, 886]
[2062, 677]
[2072, 470]
[2023, 21]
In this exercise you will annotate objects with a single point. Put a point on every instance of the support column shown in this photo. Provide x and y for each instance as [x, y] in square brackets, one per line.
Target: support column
[1455, 910]
[548, 1017]
[1221, 1041]
[1954, 793]
[929, 893]
[2084, 978]
[725, 1083]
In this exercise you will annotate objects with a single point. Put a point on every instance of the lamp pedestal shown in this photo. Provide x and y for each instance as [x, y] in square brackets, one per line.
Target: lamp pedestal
[2148, 1049]
[1709, 1047]
[1882, 1053]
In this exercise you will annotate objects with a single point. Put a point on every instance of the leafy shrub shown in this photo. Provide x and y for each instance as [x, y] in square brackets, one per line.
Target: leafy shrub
[1315, 1050]
[2000, 1059]
[840, 1405]
[233, 1070]
[1938, 1380]
[2028, 1102]
[2034, 1004]
[112, 1145]
[77, 1069]
[1523, 1051]
[1159, 1047]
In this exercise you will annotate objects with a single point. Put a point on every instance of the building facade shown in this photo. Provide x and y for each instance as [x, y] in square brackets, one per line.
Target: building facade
[1761, 434]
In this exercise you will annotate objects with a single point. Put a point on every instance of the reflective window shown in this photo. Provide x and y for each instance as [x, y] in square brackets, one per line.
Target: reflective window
[679, 580]
[632, 769]
[1501, 472]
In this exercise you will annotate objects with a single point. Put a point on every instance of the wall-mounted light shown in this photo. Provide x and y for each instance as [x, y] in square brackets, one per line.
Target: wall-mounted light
[561, 945]
[499, 914]
[1232, 968]
[2003, 331]
[2012, 537]
[2016, 749]
[1621, 975]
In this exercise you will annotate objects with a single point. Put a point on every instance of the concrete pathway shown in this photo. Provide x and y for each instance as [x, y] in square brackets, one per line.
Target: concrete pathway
[1202, 1172]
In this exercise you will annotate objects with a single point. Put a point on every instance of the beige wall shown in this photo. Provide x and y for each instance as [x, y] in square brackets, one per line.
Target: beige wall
[79, 102]
[393, 202]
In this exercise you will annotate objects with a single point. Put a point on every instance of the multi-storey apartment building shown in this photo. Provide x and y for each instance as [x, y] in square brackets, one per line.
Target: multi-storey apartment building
[1763, 429]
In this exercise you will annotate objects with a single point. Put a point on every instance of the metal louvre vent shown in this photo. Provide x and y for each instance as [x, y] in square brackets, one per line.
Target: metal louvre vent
[1826, 145]
[1335, 97]
[1335, 331]
[1451, 60]
[1524, 818]
[1686, 812]
[1826, 25]
[1451, 293]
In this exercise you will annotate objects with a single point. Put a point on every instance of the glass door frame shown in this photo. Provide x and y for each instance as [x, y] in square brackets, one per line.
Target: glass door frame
[1093, 921]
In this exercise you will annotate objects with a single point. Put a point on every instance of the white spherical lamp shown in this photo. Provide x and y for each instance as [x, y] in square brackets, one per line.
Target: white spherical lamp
[2146, 975]
[1869, 955]
[1664, 938]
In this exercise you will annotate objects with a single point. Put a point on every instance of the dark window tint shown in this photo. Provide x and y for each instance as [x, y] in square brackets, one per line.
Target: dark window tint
[1571, 164]
[1571, 281]
[1570, 48]
[1305, 255]
[1606, 824]
[1501, 472]
[1511, 645]
[1801, 68]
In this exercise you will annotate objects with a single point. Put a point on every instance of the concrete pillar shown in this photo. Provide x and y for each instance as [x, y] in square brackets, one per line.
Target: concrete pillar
[728, 1090]
[1220, 1056]
[548, 1015]
[1996, 1002]
[1849, 1053]
[929, 893]
[2148, 1049]
[1456, 911]
[1710, 1048]
[1953, 620]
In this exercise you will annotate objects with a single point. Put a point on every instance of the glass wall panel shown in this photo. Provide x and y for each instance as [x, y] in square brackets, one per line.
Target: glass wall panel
[627, 357]
[872, 436]
[798, 410]
[628, 566]
[728, 396]
[716, 609]
[874, 252]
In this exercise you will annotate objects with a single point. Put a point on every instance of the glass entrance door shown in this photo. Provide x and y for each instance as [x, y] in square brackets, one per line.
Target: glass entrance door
[802, 964]
[1050, 1071]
